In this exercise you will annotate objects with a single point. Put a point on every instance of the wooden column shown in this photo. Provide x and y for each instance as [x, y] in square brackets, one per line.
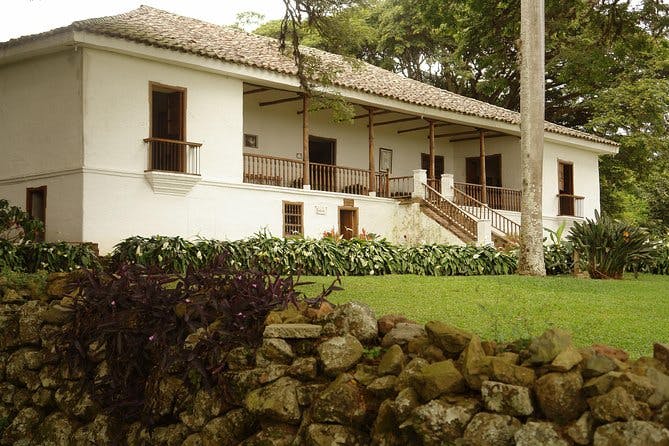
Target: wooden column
[430, 173]
[372, 168]
[484, 186]
[306, 181]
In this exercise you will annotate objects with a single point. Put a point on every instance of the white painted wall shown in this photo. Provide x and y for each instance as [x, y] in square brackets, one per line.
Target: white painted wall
[279, 130]
[586, 177]
[40, 115]
[117, 115]
[63, 203]
[119, 206]
[41, 144]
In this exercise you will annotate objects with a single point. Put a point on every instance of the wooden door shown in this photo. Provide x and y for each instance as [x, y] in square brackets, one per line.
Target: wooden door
[168, 110]
[348, 222]
[566, 187]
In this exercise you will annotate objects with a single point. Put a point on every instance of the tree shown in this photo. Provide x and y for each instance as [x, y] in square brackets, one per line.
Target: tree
[607, 66]
[531, 256]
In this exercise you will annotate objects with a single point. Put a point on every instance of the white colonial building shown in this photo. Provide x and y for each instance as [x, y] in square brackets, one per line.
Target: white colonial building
[152, 123]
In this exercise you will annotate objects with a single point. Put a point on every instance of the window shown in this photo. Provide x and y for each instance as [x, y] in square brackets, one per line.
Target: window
[293, 218]
[168, 128]
[36, 206]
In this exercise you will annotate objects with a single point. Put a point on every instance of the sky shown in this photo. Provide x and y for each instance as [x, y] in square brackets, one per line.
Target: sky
[23, 17]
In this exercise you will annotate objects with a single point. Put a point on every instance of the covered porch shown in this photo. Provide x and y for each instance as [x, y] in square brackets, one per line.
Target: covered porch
[289, 144]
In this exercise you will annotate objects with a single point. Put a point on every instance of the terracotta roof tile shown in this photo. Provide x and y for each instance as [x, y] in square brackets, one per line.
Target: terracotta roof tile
[162, 29]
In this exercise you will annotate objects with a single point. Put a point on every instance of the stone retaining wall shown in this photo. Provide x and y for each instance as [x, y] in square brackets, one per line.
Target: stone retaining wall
[339, 376]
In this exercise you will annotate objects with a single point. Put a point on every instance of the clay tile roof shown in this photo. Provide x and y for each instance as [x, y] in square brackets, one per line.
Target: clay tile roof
[162, 29]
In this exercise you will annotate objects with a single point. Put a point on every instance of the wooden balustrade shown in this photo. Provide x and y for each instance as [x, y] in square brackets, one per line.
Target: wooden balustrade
[348, 180]
[382, 184]
[464, 221]
[400, 187]
[483, 212]
[571, 205]
[174, 156]
[497, 197]
[272, 171]
[434, 183]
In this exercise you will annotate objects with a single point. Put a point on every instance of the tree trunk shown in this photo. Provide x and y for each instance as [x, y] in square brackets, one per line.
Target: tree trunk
[532, 97]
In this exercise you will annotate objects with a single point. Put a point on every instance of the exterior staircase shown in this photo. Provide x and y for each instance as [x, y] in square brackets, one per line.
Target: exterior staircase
[466, 217]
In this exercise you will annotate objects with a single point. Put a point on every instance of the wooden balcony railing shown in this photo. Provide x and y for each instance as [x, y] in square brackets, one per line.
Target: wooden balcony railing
[272, 171]
[174, 156]
[483, 212]
[399, 187]
[286, 172]
[458, 217]
[571, 205]
[349, 180]
[499, 198]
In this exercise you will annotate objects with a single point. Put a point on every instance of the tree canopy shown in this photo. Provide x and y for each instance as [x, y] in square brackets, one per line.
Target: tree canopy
[607, 71]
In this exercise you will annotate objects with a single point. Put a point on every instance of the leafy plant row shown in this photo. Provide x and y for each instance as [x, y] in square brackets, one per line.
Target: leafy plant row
[322, 257]
[31, 256]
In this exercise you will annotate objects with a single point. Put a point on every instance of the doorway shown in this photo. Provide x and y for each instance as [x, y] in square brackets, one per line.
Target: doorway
[435, 182]
[493, 170]
[348, 222]
[322, 159]
[36, 207]
[566, 187]
[168, 126]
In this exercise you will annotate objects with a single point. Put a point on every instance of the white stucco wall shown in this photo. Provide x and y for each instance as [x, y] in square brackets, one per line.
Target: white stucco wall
[279, 130]
[126, 205]
[63, 203]
[586, 177]
[40, 115]
[117, 115]
[41, 144]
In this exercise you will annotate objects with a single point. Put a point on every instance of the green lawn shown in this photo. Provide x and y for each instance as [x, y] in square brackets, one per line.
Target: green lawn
[630, 314]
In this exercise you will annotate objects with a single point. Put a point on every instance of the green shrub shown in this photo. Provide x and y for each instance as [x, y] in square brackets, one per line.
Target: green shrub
[319, 257]
[559, 254]
[608, 246]
[56, 257]
[16, 225]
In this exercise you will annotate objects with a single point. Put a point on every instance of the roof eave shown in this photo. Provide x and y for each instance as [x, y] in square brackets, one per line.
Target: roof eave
[68, 37]
[37, 46]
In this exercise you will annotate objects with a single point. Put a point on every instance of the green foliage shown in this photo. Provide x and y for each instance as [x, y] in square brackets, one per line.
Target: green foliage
[607, 71]
[56, 257]
[16, 226]
[608, 246]
[20, 252]
[9, 258]
[322, 257]
[559, 253]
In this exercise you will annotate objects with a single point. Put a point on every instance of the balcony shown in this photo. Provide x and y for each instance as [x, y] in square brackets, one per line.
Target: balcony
[570, 205]
[285, 172]
[173, 166]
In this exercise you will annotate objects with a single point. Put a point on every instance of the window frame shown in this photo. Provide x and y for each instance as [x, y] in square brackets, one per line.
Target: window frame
[285, 225]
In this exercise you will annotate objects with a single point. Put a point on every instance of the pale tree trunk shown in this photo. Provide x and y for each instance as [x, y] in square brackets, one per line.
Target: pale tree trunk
[532, 84]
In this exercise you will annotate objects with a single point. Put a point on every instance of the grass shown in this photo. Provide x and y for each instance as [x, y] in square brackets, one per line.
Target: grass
[630, 314]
